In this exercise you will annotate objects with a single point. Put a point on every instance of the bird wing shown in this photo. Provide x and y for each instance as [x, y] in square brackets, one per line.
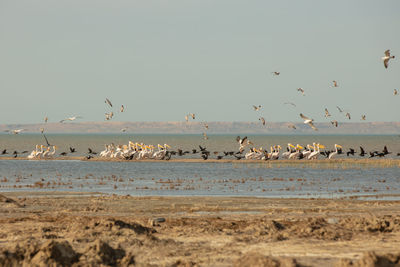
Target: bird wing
[255, 107]
[262, 120]
[304, 117]
[385, 63]
[108, 102]
[244, 139]
[387, 53]
[61, 121]
[312, 126]
[340, 110]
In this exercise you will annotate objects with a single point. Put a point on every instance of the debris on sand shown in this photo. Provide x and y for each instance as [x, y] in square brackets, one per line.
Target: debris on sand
[257, 260]
[371, 259]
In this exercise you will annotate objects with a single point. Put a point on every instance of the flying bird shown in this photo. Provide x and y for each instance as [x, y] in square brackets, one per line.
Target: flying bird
[109, 115]
[46, 119]
[205, 125]
[186, 118]
[276, 73]
[122, 108]
[301, 90]
[291, 125]
[262, 120]
[335, 84]
[395, 92]
[386, 58]
[192, 115]
[124, 130]
[107, 101]
[290, 103]
[363, 117]
[257, 108]
[308, 121]
[334, 123]
[16, 131]
[340, 110]
[327, 113]
[348, 115]
[71, 118]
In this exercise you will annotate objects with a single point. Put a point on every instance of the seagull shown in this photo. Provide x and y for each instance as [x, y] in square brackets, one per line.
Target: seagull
[308, 121]
[335, 84]
[340, 110]
[122, 108]
[257, 108]
[276, 73]
[290, 103]
[262, 120]
[291, 125]
[107, 101]
[46, 119]
[71, 118]
[334, 123]
[363, 117]
[301, 90]
[348, 115]
[395, 92]
[386, 58]
[327, 113]
[16, 131]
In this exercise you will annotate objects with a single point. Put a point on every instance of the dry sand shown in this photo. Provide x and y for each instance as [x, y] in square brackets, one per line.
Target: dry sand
[91, 230]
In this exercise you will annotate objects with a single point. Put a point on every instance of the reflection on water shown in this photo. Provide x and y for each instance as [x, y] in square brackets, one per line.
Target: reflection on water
[200, 179]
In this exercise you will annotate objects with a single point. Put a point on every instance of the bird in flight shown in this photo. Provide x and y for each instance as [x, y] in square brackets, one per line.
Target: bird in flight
[290, 103]
[107, 101]
[16, 131]
[395, 92]
[335, 84]
[301, 90]
[291, 125]
[124, 130]
[327, 114]
[122, 108]
[71, 118]
[46, 119]
[334, 123]
[348, 115]
[109, 115]
[186, 118]
[276, 73]
[257, 108]
[386, 58]
[205, 125]
[308, 121]
[363, 117]
[192, 115]
[340, 110]
[262, 120]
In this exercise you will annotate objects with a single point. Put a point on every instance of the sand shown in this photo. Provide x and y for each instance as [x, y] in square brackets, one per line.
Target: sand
[77, 229]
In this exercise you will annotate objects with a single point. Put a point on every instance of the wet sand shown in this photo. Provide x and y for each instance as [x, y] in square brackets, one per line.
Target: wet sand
[92, 229]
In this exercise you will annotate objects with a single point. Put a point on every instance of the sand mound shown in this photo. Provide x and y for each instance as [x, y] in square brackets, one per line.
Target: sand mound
[258, 260]
[372, 260]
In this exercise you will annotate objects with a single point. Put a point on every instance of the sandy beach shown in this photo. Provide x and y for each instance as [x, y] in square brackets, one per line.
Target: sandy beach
[81, 229]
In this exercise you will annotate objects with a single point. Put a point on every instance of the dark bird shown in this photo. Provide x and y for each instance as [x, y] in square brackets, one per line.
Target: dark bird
[239, 157]
[63, 153]
[91, 151]
[4, 152]
[334, 123]
[194, 151]
[219, 157]
[204, 156]
[107, 101]
[350, 152]
[89, 157]
[362, 152]
[72, 149]
[385, 151]
[276, 73]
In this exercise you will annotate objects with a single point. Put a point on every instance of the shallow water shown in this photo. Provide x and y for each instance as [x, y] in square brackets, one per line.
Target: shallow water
[197, 179]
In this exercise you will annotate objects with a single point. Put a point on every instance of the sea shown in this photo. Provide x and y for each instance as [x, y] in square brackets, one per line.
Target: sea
[169, 178]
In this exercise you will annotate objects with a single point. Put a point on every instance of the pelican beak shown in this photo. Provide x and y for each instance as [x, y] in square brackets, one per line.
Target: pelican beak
[300, 147]
[339, 146]
[321, 146]
[168, 146]
[291, 145]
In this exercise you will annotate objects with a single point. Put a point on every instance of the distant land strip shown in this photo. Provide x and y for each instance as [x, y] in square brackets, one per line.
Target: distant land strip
[174, 127]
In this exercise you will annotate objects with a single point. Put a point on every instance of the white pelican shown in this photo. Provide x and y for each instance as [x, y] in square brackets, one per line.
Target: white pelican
[308, 121]
[331, 155]
[34, 152]
[186, 118]
[301, 90]
[275, 154]
[307, 151]
[257, 108]
[205, 125]
[205, 136]
[297, 152]
[192, 115]
[316, 152]
[71, 118]
[286, 154]
[242, 142]
[107, 101]
[386, 58]
[16, 131]
[290, 103]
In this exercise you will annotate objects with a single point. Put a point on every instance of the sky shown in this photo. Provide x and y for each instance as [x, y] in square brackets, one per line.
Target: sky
[164, 59]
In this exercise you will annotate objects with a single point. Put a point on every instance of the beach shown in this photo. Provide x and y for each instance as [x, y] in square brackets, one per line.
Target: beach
[80, 229]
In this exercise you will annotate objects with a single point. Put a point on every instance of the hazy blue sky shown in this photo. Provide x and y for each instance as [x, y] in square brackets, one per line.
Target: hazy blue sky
[163, 59]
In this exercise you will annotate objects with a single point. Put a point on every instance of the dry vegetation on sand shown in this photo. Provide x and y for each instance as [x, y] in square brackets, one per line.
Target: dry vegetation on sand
[71, 229]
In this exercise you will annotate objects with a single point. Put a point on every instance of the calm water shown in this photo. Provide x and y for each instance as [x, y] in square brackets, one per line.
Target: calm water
[174, 178]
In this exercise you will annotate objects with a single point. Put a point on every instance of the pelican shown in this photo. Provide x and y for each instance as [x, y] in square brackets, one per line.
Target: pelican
[276, 73]
[257, 108]
[327, 114]
[395, 92]
[363, 117]
[348, 115]
[16, 131]
[71, 118]
[107, 101]
[307, 151]
[275, 154]
[334, 123]
[34, 152]
[308, 121]
[296, 153]
[286, 154]
[331, 155]
[316, 152]
[122, 108]
[386, 58]
[335, 84]
[262, 120]
[301, 90]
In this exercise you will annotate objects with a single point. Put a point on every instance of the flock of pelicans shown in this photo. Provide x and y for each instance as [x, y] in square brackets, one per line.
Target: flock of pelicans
[139, 151]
